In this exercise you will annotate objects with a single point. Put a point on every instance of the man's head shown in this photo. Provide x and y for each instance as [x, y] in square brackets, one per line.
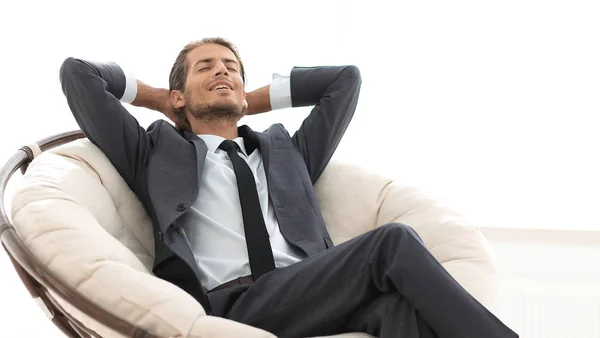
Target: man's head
[207, 81]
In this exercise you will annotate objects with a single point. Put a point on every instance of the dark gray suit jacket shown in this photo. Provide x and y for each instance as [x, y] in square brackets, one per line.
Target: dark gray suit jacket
[162, 165]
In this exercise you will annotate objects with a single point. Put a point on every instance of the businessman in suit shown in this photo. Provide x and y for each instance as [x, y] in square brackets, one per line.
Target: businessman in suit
[235, 219]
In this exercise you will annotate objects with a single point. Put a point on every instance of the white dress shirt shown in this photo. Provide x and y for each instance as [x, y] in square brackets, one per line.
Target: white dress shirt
[214, 225]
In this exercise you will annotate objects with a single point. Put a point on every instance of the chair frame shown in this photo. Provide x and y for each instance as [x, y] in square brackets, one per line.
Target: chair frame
[36, 277]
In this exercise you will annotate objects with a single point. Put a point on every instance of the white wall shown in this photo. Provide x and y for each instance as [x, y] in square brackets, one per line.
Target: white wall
[493, 105]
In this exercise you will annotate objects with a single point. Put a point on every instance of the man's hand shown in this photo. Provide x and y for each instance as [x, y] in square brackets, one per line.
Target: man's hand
[157, 99]
[258, 101]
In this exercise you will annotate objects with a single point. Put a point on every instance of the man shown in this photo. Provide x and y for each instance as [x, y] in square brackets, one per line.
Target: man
[235, 219]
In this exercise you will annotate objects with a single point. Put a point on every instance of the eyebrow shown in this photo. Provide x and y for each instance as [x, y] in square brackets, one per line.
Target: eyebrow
[209, 60]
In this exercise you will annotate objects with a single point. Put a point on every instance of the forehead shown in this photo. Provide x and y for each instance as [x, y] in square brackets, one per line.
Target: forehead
[209, 50]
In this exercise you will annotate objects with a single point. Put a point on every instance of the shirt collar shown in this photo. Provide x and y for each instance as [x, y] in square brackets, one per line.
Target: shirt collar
[213, 142]
[250, 139]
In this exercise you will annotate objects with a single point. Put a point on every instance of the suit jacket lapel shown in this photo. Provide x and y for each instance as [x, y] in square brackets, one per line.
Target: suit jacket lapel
[261, 140]
[175, 180]
[201, 150]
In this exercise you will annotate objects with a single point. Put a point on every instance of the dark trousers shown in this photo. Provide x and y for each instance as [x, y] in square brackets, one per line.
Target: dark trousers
[384, 283]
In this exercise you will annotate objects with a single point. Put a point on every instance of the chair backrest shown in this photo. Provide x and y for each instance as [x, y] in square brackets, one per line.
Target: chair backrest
[355, 200]
[81, 173]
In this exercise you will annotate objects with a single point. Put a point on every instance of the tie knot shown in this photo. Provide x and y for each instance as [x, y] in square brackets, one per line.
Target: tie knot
[228, 145]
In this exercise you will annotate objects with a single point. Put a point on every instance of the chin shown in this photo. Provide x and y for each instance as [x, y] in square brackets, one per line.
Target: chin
[227, 107]
[215, 111]
[227, 104]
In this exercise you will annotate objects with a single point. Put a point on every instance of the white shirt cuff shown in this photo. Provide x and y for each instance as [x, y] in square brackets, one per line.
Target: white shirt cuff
[280, 92]
[130, 88]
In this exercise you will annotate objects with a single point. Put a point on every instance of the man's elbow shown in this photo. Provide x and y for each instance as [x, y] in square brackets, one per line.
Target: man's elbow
[68, 66]
[71, 68]
[352, 79]
[352, 74]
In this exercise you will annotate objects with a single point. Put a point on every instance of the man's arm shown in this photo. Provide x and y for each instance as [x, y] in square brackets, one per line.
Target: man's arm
[259, 101]
[334, 92]
[93, 91]
[158, 99]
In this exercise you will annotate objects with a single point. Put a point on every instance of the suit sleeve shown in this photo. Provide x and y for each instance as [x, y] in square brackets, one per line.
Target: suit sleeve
[334, 92]
[93, 91]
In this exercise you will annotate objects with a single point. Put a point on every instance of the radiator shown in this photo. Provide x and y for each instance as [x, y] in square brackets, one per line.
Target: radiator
[550, 310]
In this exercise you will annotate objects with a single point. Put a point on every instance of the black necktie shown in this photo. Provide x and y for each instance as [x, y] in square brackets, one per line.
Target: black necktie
[255, 230]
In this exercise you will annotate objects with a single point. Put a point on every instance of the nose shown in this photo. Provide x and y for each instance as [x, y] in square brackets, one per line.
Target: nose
[221, 70]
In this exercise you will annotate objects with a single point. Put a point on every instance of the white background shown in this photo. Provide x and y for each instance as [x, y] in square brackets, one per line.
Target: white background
[492, 106]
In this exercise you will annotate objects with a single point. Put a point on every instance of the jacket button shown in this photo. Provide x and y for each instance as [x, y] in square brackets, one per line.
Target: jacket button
[160, 236]
[180, 207]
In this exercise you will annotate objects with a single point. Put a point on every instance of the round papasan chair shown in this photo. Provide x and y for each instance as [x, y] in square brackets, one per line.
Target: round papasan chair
[82, 243]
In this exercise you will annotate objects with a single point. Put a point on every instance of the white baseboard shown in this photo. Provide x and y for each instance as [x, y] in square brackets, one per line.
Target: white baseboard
[550, 281]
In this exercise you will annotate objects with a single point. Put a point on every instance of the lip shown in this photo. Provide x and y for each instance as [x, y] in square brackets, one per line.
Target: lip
[218, 83]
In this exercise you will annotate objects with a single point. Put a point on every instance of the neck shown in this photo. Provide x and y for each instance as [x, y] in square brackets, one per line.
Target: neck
[225, 129]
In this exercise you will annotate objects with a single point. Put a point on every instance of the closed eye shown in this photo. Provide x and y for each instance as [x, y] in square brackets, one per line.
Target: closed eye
[232, 69]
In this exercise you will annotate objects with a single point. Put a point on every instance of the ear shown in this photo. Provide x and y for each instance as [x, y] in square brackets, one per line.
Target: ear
[177, 99]
[245, 102]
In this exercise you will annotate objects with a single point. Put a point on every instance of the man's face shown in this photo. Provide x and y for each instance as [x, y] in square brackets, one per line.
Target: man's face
[214, 87]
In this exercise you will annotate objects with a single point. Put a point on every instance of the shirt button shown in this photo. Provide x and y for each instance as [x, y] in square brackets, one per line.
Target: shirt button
[160, 236]
[180, 207]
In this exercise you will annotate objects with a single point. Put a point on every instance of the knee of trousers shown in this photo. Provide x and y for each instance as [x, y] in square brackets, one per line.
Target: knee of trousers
[397, 231]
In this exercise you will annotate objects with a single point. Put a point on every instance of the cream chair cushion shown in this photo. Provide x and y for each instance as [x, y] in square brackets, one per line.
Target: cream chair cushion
[77, 215]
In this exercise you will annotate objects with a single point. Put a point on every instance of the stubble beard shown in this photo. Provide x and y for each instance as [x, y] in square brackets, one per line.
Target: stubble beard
[216, 113]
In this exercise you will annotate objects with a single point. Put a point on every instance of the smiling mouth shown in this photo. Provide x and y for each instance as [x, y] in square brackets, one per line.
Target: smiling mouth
[221, 87]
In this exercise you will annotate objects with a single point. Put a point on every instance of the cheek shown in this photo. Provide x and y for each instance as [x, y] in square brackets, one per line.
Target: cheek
[240, 96]
[195, 84]
[240, 87]
[196, 90]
